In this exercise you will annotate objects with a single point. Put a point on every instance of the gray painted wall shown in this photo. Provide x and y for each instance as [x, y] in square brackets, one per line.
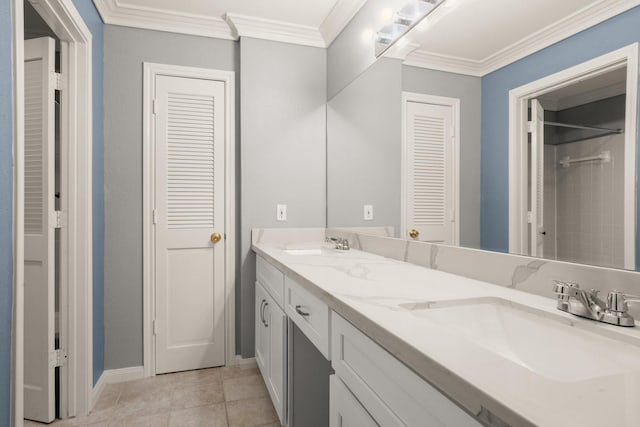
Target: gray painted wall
[364, 147]
[469, 90]
[125, 51]
[282, 97]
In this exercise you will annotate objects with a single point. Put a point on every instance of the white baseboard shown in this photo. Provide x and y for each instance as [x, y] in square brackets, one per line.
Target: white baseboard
[248, 363]
[112, 376]
[97, 391]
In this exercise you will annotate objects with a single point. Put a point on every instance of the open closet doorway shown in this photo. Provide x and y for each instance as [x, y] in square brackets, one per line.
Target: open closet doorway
[52, 295]
[577, 156]
[43, 308]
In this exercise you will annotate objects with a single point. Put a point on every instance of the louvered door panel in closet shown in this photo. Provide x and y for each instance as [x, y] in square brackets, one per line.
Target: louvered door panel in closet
[189, 188]
[39, 240]
[429, 172]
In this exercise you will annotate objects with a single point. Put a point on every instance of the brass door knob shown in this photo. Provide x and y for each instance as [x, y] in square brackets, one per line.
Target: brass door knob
[414, 233]
[216, 237]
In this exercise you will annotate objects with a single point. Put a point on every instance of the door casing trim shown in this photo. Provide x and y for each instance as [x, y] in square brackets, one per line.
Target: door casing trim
[151, 71]
[518, 161]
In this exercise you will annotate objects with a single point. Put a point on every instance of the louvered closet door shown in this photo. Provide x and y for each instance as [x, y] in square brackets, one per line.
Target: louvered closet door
[39, 279]
[430, 171]
[189, 191]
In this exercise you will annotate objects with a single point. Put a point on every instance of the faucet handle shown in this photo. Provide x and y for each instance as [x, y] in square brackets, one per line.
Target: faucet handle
[617, 301]
[563, 288]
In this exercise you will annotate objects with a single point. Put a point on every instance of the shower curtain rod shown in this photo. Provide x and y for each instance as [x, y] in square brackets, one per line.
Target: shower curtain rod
[567, 125]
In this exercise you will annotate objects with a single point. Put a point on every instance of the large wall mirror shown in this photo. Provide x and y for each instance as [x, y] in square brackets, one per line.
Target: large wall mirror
[500, 125]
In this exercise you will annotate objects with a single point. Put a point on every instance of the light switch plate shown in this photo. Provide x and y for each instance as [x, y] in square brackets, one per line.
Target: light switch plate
[368, 212]
[281, 213]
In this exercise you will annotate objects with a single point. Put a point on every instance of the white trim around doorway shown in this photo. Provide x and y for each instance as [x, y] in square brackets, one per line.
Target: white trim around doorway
[454, 103]
[518, 108]
[151, 70]
[77, 239]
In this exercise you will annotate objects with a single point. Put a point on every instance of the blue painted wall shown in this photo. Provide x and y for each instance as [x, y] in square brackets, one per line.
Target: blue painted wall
[6, 210]
[610, 35]
[94, 22]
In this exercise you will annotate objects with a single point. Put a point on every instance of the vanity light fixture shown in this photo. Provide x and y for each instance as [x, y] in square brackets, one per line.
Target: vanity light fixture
[404, 20]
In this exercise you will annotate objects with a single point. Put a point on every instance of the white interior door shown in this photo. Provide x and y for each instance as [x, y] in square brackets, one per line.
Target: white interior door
[430, 172]
[39, 229]
[536, 216]
[189, 210]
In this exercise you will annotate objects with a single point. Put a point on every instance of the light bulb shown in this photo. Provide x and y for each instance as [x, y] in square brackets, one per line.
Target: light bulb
[367, 35]
[386, 16]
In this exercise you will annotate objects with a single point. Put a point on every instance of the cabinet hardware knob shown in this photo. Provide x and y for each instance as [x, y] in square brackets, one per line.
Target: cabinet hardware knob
[266, 325]
[414, 233]
[216, 237]
[300, 312]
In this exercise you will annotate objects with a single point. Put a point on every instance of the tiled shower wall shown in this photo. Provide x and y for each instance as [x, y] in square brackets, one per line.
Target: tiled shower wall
[589, 201]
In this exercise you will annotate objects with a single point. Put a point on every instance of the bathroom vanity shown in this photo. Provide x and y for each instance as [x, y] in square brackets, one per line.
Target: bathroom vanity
[414, 346]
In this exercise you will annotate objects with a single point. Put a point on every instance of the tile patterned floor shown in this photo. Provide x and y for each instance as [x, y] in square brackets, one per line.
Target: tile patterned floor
[218, 397]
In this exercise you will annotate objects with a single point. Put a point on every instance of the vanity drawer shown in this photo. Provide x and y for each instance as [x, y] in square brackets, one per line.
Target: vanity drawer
[271, 278]
[309, 313]
[392, 393]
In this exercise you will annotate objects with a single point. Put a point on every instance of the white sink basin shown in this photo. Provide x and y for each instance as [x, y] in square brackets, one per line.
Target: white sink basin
[544, 343]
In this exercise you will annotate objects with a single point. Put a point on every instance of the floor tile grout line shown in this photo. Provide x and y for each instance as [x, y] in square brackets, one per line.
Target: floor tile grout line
[226, 414]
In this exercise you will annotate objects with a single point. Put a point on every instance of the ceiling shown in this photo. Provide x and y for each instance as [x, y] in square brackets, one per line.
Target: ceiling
[476, 29]
[309, 13]
[479, 36]
[473, 37]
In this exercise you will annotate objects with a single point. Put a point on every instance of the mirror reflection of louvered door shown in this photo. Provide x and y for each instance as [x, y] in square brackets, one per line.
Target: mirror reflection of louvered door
[39, 237]
[189, 209]
[429, 172]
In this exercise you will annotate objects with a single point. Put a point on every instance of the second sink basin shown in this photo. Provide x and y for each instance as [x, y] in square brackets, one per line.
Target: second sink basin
[544, 343]
[311, 251]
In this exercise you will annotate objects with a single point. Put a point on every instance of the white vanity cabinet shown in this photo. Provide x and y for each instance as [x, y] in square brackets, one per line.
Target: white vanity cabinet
[284, 351]
[370, 387]
[391, 393]
[309, 313]
[270, 346]
[344, 408]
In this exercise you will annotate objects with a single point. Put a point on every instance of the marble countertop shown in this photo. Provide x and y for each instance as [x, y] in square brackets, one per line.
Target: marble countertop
[380, 296]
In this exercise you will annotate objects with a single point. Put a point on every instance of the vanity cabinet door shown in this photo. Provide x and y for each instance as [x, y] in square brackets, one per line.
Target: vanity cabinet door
[275, 320]
[270, 349]
[344, 409]
[392, 393]
[262, 337]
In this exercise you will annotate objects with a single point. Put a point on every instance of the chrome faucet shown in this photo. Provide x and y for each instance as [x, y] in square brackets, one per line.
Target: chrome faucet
[341, 244]
[583, 303]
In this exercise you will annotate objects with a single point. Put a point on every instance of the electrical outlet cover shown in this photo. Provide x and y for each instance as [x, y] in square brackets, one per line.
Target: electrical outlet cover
[368, 212]
[281, 213]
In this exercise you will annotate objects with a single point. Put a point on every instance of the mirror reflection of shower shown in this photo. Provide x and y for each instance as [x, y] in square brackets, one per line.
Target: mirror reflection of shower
[580, 195]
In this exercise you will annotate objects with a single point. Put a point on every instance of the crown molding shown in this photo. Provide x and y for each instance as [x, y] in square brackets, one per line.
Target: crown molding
[450, 64]
[398, 51]
[113, 12]
[341, 14]
[259, 28]
[560, 30]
